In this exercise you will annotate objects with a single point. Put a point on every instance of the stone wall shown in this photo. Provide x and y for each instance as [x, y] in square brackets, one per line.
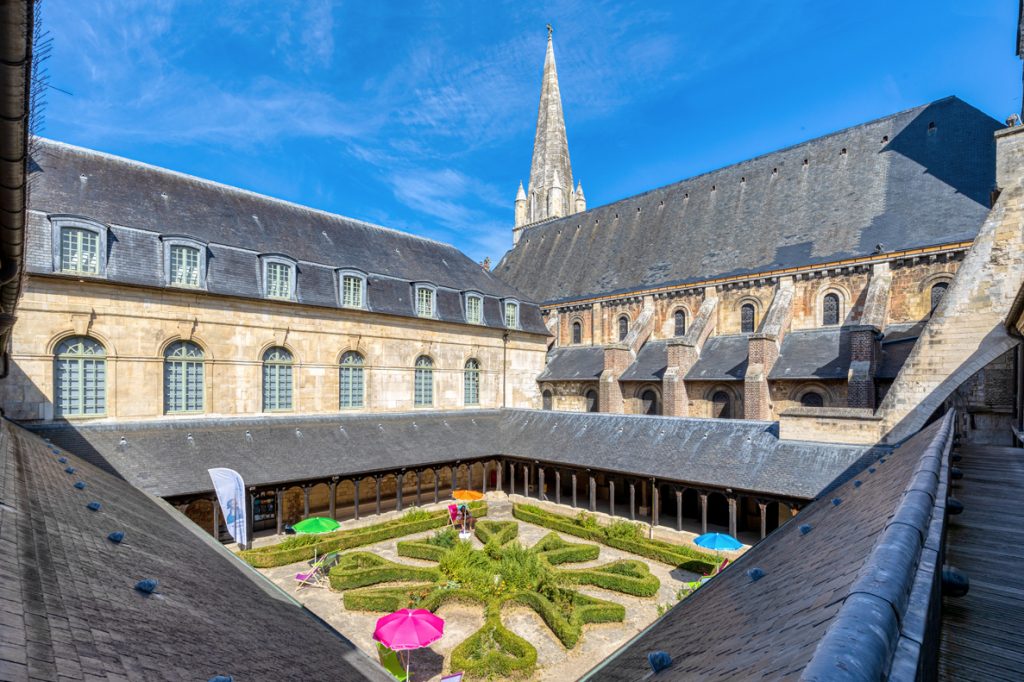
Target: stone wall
[135, 325]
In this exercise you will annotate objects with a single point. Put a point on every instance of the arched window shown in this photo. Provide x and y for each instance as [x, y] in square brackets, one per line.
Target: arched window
[747, 318]
[649, 402]
[423, 390]
[277, 379]
[471, 381]
[623, 327]
[830, 309]
[184, 374]
[680, 323]
[546, 397]
[81, 378]
[721, 405]
[591, 398]
[577, 333]
[351, 381]
[938, 291]
[812, 399]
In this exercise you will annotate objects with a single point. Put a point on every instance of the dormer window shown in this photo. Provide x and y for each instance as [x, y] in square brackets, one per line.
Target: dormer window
[474, 308]
[79, 246]
[184, 262]
[426, 300]
[512, 314]
[278, 277]
[353, 289]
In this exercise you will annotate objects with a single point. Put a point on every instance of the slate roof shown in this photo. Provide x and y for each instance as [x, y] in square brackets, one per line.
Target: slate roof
[896, 346]
[573, 363]
[160, 458]
[139, 203]
[650, 363]
[68, 607]
[723, 358]
[900, 182]
[846, 600]
[813, 354]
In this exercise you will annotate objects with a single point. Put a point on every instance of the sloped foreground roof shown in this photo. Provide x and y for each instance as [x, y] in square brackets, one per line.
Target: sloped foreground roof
[69, 608]
[916, 178]
[847, 599]
[170, 457]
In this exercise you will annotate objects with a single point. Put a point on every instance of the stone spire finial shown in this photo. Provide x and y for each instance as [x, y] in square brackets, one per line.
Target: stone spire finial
[579, 200]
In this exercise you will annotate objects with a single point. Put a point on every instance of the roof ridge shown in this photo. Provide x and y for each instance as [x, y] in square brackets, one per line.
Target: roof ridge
[238, 190]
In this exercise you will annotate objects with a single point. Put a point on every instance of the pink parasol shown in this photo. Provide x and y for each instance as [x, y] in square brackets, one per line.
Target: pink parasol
[408, 629]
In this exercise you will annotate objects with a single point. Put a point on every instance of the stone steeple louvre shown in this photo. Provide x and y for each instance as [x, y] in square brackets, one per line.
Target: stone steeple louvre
[550, 192]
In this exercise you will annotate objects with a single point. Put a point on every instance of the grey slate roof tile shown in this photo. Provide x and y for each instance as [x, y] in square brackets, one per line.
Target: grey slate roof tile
[723, 358]
[650, 363]
[573, 363]
[813, 354]
[921, 187]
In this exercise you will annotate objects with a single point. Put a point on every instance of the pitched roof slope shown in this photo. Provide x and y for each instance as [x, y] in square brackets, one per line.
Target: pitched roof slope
[819, 605]
[70, 609]
[917, 178]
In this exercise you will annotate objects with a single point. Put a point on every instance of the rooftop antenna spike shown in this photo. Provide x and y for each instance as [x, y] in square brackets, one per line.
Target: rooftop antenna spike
[550, 31]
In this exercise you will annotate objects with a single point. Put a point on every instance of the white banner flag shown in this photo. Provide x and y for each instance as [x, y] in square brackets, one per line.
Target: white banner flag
[231, 495]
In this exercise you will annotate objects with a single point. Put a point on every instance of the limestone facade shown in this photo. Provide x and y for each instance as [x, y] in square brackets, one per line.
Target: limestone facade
[135, 325]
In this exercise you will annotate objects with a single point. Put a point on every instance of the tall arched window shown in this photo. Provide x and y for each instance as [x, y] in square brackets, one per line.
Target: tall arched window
[471, 381]
[577, 333]
[81, 378]
[351, 381]
[184, 375]
[812, 399]
[680, 323]
[649, 402]
[830, 309]
[546, 400]
[623, 327]
[747, 318]
[938, 291]
[423, 390]
[721, 405]
[591, 399]
[277, 379]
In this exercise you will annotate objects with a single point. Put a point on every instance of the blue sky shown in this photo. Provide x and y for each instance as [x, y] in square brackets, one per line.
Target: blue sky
[421, 115]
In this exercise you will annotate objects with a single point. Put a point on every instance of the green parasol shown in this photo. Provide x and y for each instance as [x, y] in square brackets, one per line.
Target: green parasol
[316, 524]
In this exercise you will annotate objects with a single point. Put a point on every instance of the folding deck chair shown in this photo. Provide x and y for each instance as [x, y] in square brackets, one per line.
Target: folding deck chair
[316, 575]
[391, 662]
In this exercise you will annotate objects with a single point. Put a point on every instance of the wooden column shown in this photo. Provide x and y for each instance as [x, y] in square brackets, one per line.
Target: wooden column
[511, 478]
[305, 504]
[437, 482]
[558, 486]
[703, 513]
[469, 476]
[526, 480]
[593, 492]
[419, 487]
[216, 520]
[377, 480]
[632, 500]
[732, 516]
[655, 503]
[764, 517]
[279, 508]
[679, 509]
[574, 489]
[355, 484]
[498, 482]
[540, 483]
[611, 496]
[332, 488]
[483, 487]
[399, 485]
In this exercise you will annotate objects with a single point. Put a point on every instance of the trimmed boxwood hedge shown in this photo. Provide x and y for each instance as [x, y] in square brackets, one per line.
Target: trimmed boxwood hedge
[418, 549]
[572, 610]
[674, 555]
[444, 595]
[359, 569]
[556, 551]
[303, 547]
[499, 531]
[629, 577]
[386, 599]
[493, 650]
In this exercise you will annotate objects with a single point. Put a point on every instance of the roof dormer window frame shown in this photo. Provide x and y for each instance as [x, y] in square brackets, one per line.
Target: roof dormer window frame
[169, 241]
[61, 222]
[505, 303]
[362, 277]
[465, 307]
[424, 286]
[278, 259]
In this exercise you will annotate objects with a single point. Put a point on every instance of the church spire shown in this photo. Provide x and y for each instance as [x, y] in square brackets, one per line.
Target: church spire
[550, 190]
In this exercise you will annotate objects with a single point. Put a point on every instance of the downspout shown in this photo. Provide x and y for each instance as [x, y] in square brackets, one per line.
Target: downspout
[504, 368]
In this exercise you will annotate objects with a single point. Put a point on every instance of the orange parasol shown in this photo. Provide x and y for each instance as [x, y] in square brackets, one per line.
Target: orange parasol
[467, 495]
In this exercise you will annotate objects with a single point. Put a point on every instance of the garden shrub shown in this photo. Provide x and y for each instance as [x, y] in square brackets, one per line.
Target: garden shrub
[500, 532]
[387, 599]
[359, 569]
[420, 549]
[558, 619]
[555, 550]
[628, 577]
[494, 651]
[303, 547]
[445, 595]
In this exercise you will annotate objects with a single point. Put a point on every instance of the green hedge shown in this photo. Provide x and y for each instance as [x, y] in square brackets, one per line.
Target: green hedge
[417, 549]
[444, 595]
[565, 612]
[494, 651]
[499, 531]
[556, 551]
[566, 629]
[386, 599]
[359, 569]
[629, 577]
[303, 547]
[674, 555]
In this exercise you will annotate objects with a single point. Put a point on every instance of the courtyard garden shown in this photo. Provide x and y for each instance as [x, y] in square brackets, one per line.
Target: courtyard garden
[532, 595]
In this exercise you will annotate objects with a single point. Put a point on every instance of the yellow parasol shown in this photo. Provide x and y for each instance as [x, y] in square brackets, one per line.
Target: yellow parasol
[467, 495]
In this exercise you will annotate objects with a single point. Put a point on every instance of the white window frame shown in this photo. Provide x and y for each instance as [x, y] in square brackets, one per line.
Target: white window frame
[478, 296]
[421, 286]
[171, 241]
[361, 276]
[291, 264]
[505, 303]
[59, 222]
